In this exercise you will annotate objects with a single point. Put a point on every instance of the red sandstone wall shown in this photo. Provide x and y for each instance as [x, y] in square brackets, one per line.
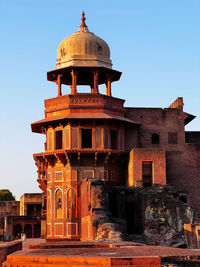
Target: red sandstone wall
[29, 198]
[182, 160]
[86, 218]
[183, 172]
[9, 208]
[137, 156]
[131, 138]
[160, 121]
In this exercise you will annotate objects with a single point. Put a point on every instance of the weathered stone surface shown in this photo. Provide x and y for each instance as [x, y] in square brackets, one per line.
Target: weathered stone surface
[8, 248]
[165, 216]
[192, 235]
[105, 225]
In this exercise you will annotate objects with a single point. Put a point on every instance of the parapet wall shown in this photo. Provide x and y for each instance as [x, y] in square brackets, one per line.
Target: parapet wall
[8, 248]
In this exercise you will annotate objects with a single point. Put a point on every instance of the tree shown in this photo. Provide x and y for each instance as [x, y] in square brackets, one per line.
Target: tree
[6, 195]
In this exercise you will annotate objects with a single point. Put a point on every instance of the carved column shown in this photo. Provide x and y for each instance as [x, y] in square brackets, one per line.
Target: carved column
[74, 83]
[59, 84]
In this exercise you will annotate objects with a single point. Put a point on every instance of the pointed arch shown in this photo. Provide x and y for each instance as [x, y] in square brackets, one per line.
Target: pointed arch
[59, 203]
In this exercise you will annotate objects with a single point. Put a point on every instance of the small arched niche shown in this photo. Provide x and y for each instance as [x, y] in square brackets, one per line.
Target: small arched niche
[58, 204]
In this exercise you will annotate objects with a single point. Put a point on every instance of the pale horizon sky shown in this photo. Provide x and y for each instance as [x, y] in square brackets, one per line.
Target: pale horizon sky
[154, 43]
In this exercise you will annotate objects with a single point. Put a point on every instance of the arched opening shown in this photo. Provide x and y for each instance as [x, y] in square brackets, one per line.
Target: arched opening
[65, 79]
[85, 80]
[102, 78]
[37, 230]
[102, 89]
[28, 230]
[102, 83]
[155, 139]
[58, 204]
[71, 203]
[17, 230]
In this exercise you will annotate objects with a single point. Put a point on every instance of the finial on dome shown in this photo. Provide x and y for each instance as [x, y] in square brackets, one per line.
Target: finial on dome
[83, 20]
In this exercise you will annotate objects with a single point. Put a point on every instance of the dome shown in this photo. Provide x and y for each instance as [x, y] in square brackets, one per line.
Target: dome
[84, 49]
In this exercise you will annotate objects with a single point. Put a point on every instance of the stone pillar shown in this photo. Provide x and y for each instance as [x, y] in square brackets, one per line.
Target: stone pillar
[59, 84]
[96, 82]
[32, 225]
[108, 88]
[74, 83]
[92, 88]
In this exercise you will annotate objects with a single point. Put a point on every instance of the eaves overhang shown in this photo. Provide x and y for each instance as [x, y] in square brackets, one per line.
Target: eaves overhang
[38, 126]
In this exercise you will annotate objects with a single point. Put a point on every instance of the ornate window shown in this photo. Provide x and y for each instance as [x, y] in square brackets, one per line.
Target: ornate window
[86, 138]
[59, 141]
[50, 140]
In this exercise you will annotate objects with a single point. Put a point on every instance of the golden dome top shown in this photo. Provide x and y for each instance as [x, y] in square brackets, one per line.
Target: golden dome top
[84, 49]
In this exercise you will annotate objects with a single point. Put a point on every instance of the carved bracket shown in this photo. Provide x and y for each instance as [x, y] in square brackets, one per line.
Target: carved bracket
[49, 159]
[61, 158]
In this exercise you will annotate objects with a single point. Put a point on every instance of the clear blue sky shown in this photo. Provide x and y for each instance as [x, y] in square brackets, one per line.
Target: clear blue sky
[155, 43]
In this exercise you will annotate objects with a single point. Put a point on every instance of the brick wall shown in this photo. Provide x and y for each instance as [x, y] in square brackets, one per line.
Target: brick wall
[156, 156]
[183, 172]
[9, 208]
[160, 121]
[182, 159]
[32, 198]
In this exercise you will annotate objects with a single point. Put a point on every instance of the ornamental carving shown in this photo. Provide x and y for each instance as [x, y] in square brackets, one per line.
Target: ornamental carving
[66, 101]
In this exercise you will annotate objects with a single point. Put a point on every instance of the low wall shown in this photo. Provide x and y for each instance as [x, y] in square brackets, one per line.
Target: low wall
[192, 235]
[7, 248]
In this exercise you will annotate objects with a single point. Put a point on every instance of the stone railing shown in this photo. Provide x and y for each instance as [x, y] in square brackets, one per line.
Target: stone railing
[83, 101]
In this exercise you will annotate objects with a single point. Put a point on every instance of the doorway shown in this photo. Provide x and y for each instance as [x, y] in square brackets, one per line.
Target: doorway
[134, 218]
[147, 170]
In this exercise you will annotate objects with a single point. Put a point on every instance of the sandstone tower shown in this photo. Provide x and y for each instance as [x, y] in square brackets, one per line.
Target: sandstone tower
[84, 131]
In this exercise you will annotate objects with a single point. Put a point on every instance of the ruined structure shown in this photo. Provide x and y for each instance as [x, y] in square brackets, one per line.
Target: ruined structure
[22, 216]
[109, 171]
